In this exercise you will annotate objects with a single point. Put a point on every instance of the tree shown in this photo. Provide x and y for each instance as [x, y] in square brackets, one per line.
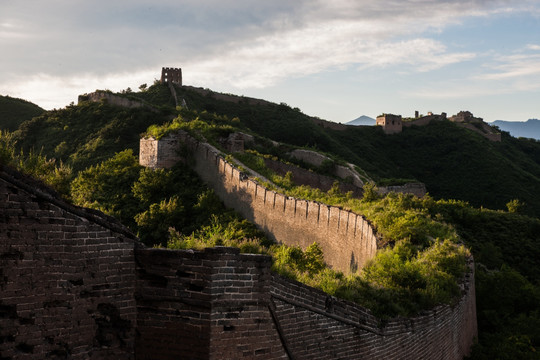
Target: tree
[515, 206]
[107, 186]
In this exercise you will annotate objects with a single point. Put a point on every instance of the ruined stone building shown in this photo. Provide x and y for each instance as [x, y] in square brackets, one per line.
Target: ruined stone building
[391, 124]
[171, 75]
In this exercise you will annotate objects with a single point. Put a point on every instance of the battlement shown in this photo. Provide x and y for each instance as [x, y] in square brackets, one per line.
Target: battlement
[393, 124]
[348, 240]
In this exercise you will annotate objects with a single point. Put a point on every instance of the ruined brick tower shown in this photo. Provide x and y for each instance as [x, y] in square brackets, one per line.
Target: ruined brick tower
[171, 75]
[391, 123]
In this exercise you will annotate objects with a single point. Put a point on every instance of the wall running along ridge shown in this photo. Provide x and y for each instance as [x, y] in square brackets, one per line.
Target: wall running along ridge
[76, 284]
[112, 99]
[347, 239]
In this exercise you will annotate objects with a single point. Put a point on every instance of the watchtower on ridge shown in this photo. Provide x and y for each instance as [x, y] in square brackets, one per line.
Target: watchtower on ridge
[171, 75]
[391, 123]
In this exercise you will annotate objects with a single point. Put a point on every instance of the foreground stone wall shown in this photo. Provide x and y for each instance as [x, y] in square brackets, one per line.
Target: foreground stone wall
[347, 239]
[210, 304]
[336, 329]
[67, 278]
[75, 284]
[219, 304]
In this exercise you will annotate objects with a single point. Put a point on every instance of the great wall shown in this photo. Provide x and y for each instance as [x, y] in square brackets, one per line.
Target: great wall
[76, 284]
[347, 239]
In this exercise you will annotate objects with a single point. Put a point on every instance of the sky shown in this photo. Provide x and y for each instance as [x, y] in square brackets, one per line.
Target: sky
[336, 60]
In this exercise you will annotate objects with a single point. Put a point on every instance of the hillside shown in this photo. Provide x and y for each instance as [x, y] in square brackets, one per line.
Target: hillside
[15, 111]
[453, 162]
[526, 129]
[86, 134]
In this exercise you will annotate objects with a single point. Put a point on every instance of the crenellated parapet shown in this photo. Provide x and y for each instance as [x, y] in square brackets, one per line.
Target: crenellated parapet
[171, 75]
[348, 240]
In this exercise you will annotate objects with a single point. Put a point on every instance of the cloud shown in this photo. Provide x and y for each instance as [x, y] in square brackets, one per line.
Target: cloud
[514, 66]
[39, 87]
[502, 74]
[244, 43]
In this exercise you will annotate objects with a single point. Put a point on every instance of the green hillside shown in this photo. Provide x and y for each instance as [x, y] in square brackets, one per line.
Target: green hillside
[86, 134]
[14, 111]
[454, 163]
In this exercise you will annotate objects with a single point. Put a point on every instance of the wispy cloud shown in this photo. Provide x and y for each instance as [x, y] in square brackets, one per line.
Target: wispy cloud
[501, 74]
[242, 43]
[514, 66]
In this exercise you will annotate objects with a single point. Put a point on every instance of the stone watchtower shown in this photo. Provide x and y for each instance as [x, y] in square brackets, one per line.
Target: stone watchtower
[391, 123]
[171, 75]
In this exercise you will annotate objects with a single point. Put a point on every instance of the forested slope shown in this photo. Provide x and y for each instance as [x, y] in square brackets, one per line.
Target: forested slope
[453, 162]
[14, 111]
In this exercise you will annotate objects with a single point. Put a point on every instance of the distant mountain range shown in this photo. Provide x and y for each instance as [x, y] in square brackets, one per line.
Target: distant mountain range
[528, 129]
[362, 120]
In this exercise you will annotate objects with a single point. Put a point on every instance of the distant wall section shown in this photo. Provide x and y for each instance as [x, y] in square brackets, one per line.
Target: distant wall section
[110, 98]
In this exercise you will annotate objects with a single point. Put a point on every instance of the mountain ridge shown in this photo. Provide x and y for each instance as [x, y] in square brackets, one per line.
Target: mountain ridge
[362, 120]
[527, 129]
[14, 111]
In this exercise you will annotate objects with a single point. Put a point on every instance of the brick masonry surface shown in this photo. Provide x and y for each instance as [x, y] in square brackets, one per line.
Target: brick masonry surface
[67, 278]
[347, 239]
[75, 284]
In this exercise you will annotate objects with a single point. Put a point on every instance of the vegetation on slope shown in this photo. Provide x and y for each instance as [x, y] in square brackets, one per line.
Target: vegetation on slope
[86, 134]
[15, 111]
[422, 269]
[453, 162]
[505, 244]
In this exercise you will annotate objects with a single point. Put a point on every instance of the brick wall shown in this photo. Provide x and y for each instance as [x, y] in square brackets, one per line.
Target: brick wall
[75, 284]
[417, 189]
[210, 304]
[347, 239]
[219, 304]
[67, 278]
[301, 176]
[99, 96]
[157, 154]
[330, 124]
[318, 326]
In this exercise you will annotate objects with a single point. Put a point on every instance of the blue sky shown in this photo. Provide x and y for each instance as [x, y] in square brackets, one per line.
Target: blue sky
[334, 59]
